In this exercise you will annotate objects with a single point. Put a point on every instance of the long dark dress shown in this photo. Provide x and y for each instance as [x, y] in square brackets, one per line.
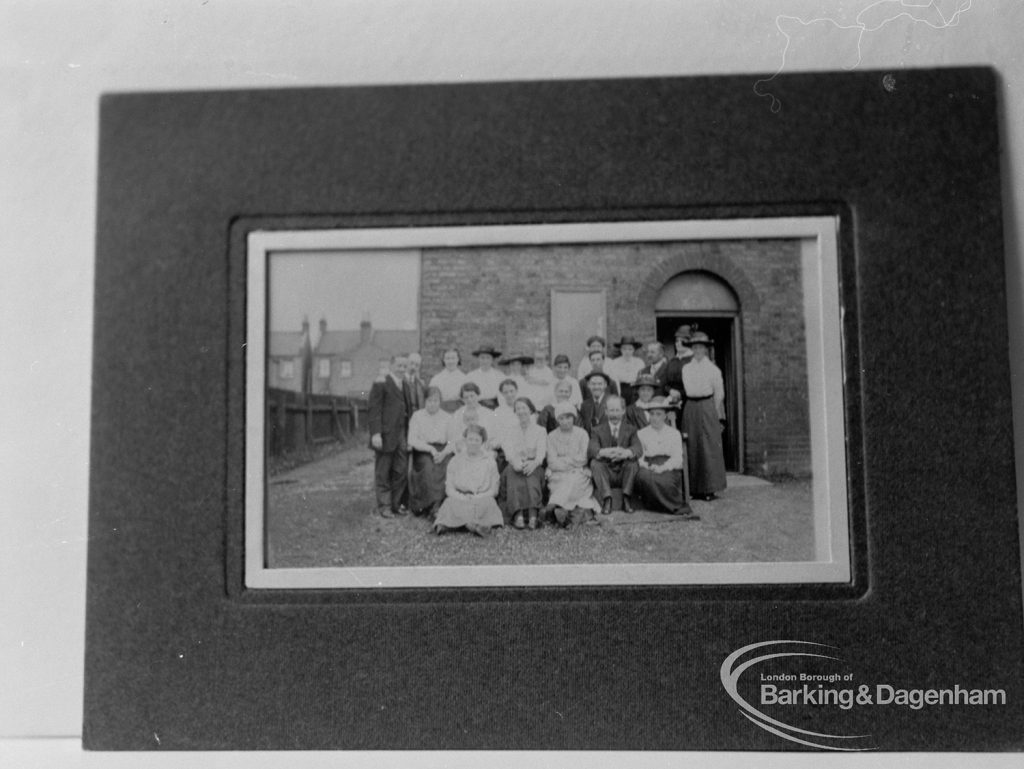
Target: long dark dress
[427, 477]
[704, 446]
[662, 491]
[523, 492]
[426, 481]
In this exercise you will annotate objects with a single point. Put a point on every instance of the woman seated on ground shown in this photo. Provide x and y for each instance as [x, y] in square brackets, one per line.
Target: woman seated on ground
[471, 413]
[571, 491]
[660, 478]
[428, 443]
[525, 449]
[471, 483]
[449, 380]
[548, 418]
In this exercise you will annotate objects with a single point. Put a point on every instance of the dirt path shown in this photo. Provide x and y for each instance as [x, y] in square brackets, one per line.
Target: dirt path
[321, 514]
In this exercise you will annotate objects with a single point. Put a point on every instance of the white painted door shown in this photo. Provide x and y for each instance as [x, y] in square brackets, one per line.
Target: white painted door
[575, 316]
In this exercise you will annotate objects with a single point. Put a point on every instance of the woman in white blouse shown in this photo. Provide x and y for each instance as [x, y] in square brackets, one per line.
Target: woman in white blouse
[659, 480]
[626, 368]
[449, 380]
[525, 449]
[428, 443]
[471, 413]
[703, 415]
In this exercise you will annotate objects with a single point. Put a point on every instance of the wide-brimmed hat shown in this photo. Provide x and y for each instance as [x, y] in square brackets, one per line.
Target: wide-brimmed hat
[659, 402]
[631, 341]
[684, 332]
[564, 408]
[526, 360]
[700, 338]
[487, 349]
[596, 338]
[561, 358]
[647, 380]
[607, 379]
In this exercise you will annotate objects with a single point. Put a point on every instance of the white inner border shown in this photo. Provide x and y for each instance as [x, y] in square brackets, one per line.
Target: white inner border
[822, 314]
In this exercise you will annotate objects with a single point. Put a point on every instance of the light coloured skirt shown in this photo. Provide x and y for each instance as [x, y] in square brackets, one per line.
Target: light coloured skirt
[572, 488]
[478, 511]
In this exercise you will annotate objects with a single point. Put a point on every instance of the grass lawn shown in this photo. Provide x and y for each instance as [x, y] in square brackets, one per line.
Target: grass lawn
[321, 514]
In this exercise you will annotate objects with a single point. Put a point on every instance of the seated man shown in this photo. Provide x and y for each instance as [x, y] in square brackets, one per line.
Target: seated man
[613, 452]
[660, 477]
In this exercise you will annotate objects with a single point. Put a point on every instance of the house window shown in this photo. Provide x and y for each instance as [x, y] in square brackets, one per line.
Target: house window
[287, 369]
[346, 369]
[324, 368]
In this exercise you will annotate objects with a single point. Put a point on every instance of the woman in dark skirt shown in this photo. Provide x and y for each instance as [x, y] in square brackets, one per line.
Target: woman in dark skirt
[659, 480]
[703, 415]
[428, 443]
[525, 448]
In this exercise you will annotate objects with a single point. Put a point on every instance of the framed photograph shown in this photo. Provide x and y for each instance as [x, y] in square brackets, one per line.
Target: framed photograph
[839, 568]
[767, 289]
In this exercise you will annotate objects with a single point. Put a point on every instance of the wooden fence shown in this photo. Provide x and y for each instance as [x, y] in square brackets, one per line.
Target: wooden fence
[300, 421]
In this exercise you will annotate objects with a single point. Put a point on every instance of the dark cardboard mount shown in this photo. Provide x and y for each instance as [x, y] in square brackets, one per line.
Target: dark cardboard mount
[177, 647]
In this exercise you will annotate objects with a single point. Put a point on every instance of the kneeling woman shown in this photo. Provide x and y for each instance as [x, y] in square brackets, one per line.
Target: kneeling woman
[471, 484]
[660, 478]
[428, 442]
[525, 448]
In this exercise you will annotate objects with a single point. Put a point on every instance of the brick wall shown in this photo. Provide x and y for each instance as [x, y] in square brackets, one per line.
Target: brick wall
[502, 295]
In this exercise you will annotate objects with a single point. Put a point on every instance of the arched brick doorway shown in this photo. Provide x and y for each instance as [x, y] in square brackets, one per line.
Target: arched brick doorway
[705, 301]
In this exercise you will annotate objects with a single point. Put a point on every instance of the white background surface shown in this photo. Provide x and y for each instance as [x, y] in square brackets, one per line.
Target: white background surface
[56, 58]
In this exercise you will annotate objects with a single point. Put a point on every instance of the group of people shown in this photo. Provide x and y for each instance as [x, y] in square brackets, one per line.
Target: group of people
[530, 445]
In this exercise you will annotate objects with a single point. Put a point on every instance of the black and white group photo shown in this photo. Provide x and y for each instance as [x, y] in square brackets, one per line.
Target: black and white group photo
[602, 403]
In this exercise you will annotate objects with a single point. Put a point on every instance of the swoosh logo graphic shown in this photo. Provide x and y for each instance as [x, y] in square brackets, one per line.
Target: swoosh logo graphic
[731, 672]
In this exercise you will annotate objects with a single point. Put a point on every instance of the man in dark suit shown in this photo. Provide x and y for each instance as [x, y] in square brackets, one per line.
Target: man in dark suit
[388, 418]
[592, 412]
[613, 453]
[417, 387]
[656, 363]
[597, 361]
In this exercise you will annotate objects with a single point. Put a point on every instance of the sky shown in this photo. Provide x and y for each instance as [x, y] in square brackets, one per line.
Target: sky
[343, 287]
